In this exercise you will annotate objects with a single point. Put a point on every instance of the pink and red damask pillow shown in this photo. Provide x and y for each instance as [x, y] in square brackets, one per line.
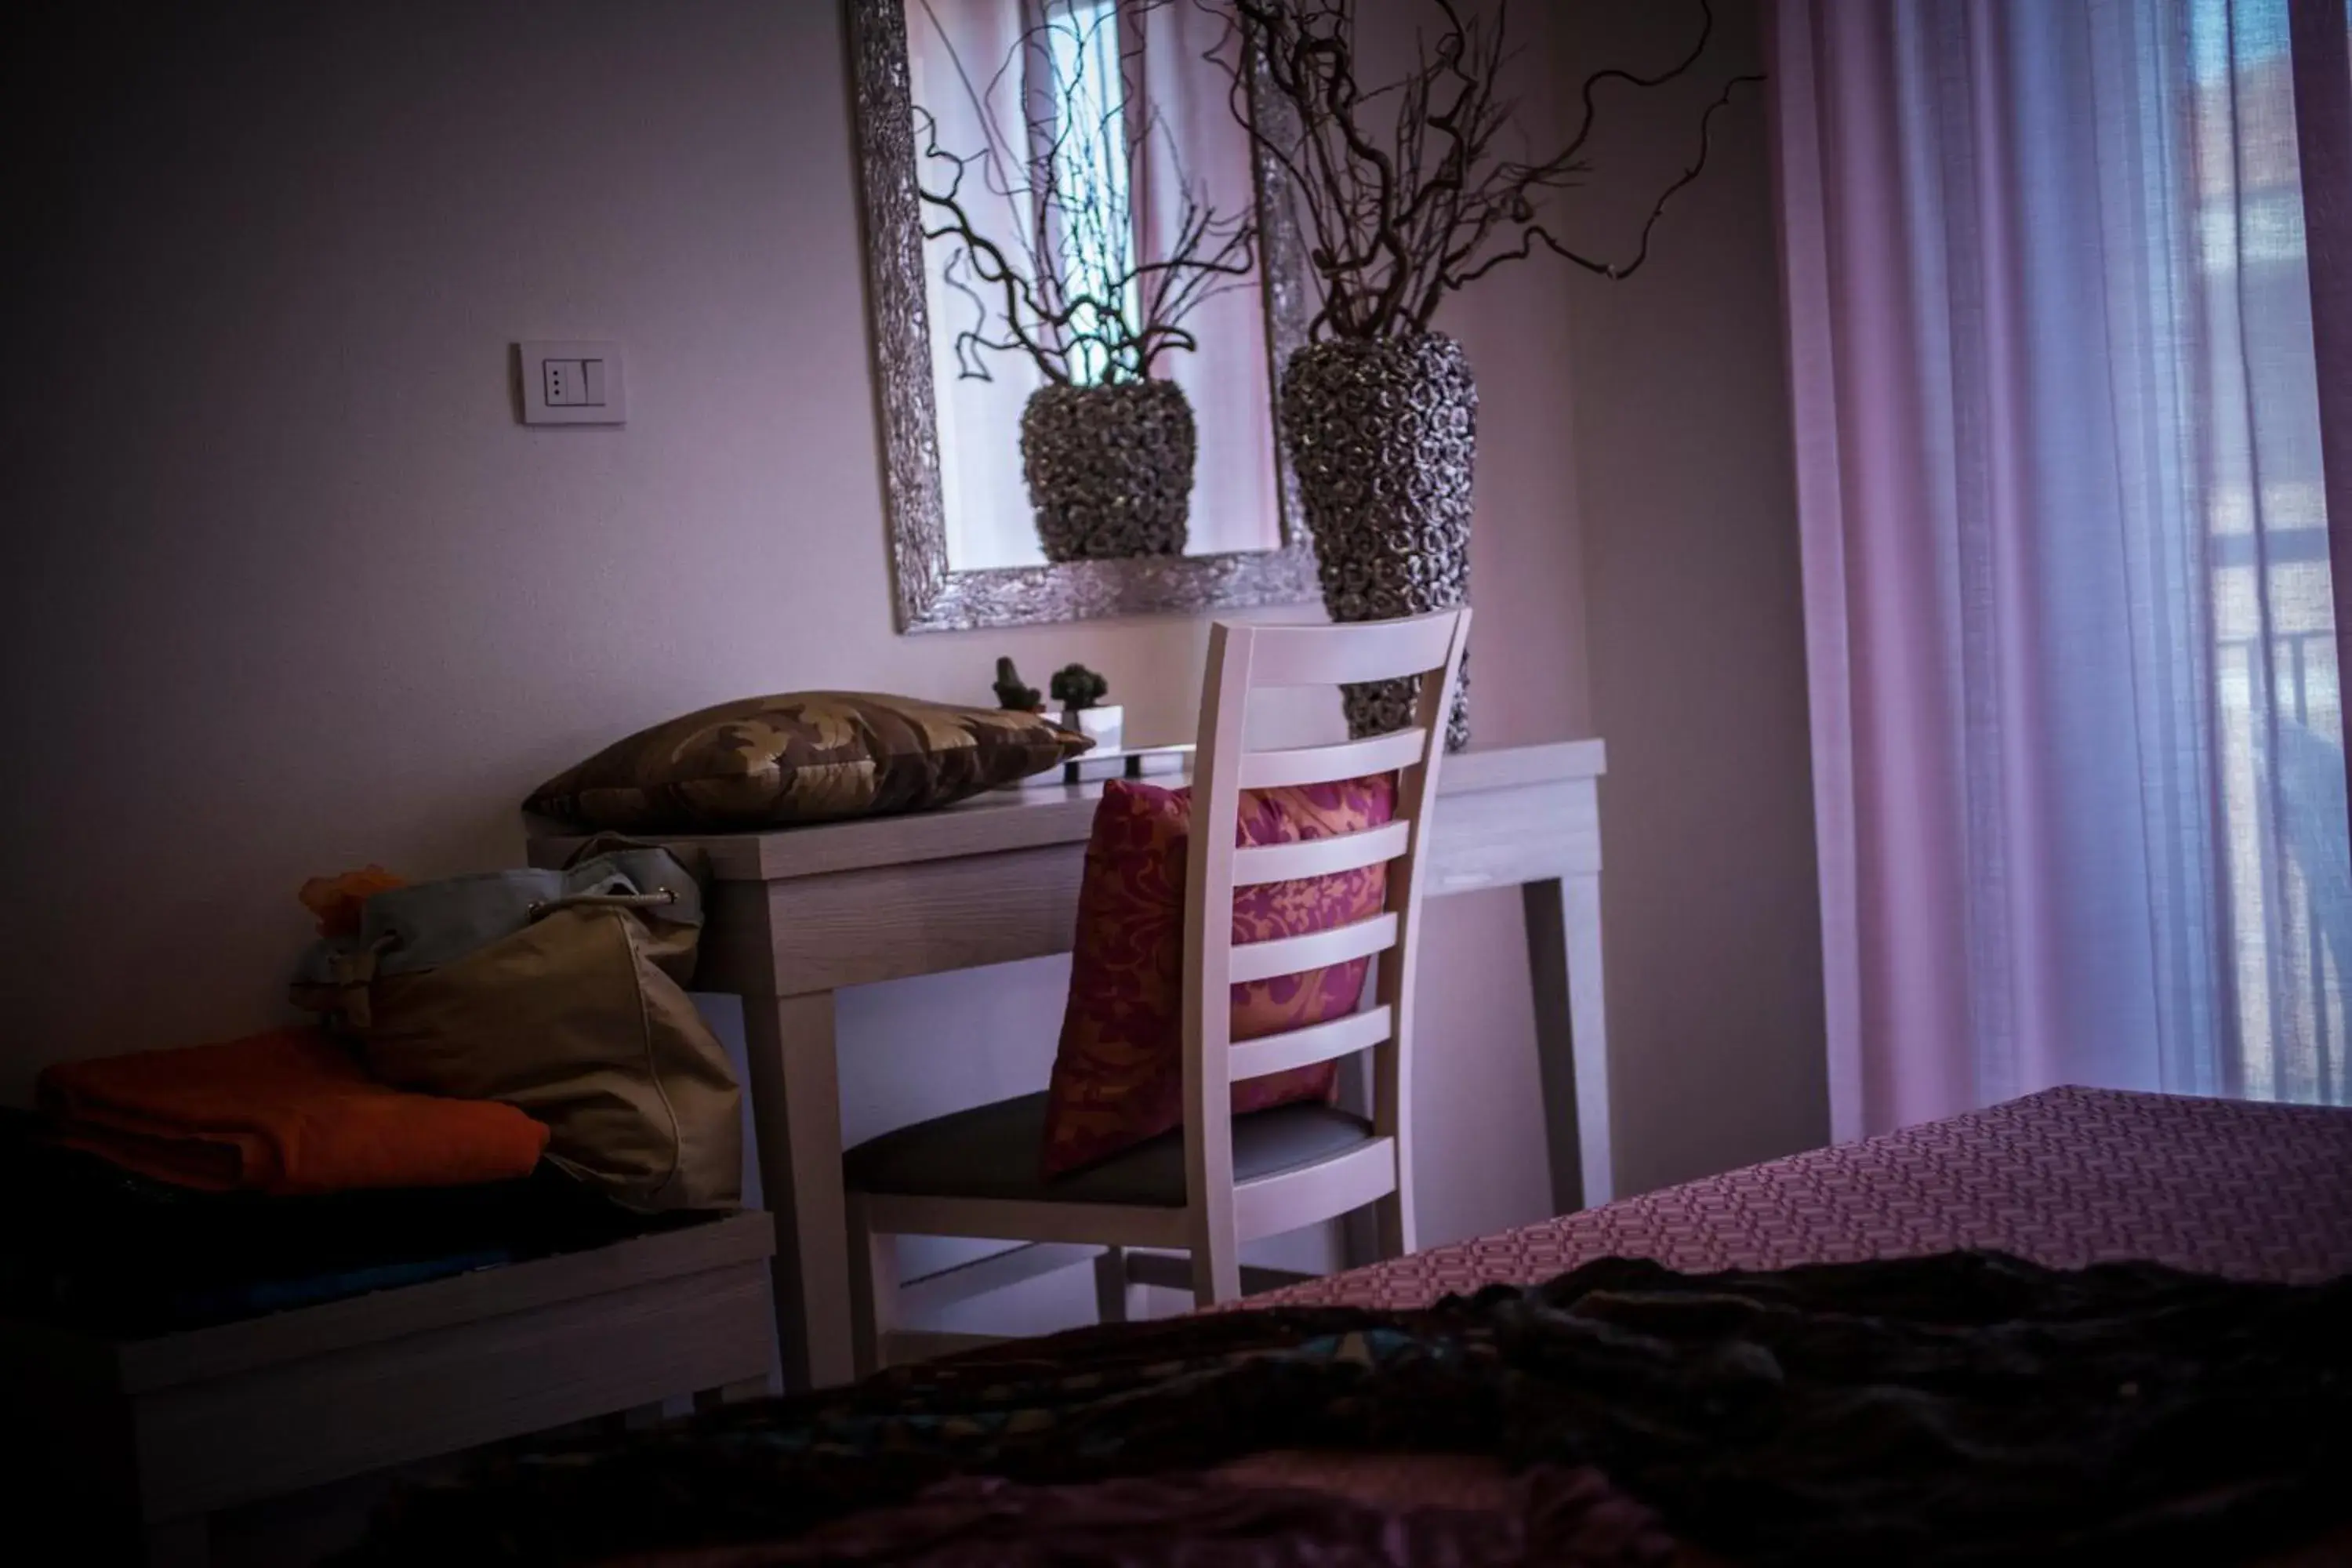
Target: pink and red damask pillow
[1118, 1076]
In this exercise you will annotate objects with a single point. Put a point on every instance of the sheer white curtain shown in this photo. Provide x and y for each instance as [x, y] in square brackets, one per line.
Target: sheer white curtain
[958, 52]
[2078, 729]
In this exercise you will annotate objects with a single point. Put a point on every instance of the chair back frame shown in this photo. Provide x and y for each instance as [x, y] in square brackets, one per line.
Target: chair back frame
[1245, 658]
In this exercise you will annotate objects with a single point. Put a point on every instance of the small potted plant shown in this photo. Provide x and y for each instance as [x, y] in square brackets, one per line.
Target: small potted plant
[1080, 692]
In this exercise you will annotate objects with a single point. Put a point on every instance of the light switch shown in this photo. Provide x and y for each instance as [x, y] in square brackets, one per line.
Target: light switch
[571, 384]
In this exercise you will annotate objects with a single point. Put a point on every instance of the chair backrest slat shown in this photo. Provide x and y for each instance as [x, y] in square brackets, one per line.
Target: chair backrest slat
[1321, 857]
[1327, 1041]
[1311, 949]
[1367, 650]
[1330, 765]
[1244, 659]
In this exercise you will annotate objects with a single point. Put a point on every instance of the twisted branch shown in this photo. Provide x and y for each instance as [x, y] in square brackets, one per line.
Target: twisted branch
[1067, 288]
[1404, 212]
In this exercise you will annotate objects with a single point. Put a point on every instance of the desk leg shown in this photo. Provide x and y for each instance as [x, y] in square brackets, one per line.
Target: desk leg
[1572, 1042]
[796, 1109]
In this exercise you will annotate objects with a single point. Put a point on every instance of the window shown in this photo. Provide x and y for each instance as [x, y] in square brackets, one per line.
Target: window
[1090, 161]
[2278, 691]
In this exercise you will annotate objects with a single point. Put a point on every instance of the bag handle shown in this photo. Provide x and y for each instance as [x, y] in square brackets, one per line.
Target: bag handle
[658, 899]
[354, 972]
[351, 975]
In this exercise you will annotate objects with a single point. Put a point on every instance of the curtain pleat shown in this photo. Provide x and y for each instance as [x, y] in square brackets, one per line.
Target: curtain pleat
[2077, 729]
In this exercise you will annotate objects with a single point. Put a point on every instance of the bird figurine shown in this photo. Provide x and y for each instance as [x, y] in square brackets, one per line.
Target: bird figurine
[1010, 693]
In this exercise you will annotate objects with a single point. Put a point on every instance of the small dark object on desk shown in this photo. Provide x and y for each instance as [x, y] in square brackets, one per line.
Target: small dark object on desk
[1075, 686]
[1010, 693]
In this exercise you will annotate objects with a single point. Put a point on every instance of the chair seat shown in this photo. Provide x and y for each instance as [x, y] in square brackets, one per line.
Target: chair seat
[994, 1152]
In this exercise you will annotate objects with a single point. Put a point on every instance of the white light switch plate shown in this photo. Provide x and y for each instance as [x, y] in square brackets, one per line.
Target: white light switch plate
[573, 384]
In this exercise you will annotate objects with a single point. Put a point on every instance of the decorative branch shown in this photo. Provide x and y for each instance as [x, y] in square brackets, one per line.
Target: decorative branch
[1059, 280]
[1405, 193]
[1536, 233]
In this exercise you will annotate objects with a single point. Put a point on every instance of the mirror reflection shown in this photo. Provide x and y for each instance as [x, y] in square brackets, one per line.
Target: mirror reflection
[1097, 324]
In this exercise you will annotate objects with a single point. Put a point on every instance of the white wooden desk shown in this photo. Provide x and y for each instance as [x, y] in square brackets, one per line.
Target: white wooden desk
[797, 914]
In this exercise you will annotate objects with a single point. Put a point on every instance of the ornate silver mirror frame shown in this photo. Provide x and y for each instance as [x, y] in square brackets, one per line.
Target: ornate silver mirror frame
[932, 595]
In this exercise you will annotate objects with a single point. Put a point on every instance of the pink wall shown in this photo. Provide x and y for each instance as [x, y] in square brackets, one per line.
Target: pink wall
[288, 588]
[1694, 619]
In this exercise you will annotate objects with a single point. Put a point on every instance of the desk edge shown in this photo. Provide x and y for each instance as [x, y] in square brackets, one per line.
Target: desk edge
[1064, 816]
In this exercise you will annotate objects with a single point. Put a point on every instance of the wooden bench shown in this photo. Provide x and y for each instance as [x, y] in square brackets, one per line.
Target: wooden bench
[150, 1436]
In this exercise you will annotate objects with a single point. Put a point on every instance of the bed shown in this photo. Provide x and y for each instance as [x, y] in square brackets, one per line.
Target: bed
[2084, 1325]
[2067, 1177]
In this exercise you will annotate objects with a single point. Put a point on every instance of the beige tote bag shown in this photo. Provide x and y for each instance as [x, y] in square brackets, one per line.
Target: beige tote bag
[560, 993]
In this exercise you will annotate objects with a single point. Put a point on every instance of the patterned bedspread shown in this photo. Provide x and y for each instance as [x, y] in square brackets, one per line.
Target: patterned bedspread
[1622, 1416]
[2066, 1178]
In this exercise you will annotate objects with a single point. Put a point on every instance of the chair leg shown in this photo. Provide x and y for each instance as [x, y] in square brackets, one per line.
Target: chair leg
[1115, 1292]
[1216, 1267]
[873, 1288]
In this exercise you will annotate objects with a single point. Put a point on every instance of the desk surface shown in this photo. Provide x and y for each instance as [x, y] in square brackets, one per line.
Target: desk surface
[1031, 818]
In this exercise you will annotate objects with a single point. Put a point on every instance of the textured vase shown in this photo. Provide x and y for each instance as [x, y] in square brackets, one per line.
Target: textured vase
[1381, 435]
[1109, 468]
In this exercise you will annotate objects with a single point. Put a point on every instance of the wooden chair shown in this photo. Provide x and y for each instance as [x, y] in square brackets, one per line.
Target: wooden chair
[1221, 1179]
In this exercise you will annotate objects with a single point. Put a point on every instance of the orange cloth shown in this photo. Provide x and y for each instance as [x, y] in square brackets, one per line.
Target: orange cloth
[288, 1111]
[337, 901]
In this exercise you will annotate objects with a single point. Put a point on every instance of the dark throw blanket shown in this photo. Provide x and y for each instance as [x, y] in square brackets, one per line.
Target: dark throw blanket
[1966, 1408]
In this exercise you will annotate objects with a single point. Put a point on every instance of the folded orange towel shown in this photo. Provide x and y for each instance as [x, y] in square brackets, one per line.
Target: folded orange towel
[284, 1112]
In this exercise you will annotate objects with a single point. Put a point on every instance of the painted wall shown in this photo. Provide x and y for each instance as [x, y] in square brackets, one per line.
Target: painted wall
[1694, 619]
[287, 589]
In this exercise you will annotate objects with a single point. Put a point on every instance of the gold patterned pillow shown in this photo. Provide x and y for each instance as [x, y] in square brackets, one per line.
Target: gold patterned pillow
[807, 756]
